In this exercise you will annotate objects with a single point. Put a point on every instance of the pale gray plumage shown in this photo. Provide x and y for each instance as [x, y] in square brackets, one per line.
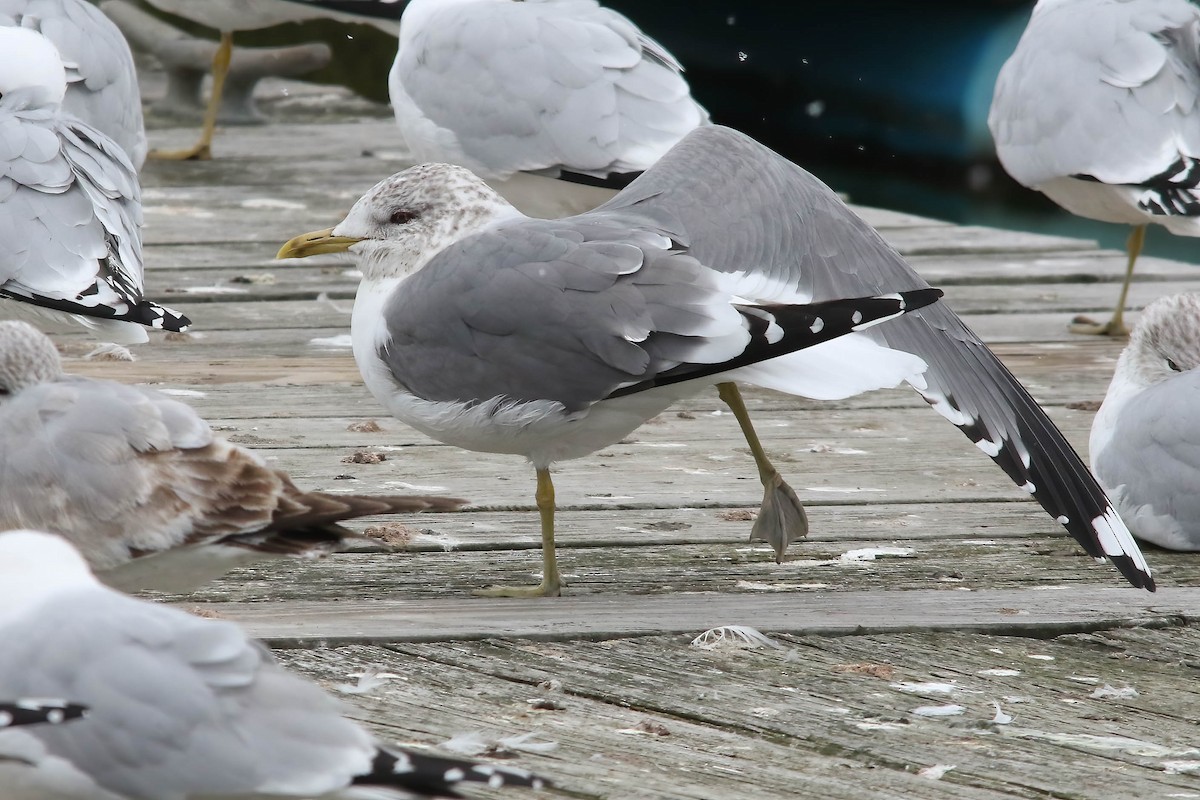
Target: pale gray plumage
[1099, 108]
[102, 87]
[552, 86]
[1145, 442]
[141, 484]
[1106, 90]
[185, 708]
[70, 207]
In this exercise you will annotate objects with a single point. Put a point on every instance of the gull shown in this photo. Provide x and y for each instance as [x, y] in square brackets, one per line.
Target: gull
[524, 92]
[1097, 109]
[1142, 444]
[492, 331]
[141, 485]
[102, 87]
[228, 17]
[185, 708]
[70, 207]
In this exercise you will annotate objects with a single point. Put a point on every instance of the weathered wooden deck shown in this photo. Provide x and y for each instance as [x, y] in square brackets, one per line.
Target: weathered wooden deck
[981, 646]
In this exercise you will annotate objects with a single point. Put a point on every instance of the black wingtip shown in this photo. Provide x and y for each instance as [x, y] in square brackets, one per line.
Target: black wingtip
[436, 776]
[39, 712]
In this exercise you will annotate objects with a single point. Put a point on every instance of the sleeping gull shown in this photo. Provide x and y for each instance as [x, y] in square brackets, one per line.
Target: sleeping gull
[141, 485]
[523, 92]
[102, 87]
[1097, 109]
[70, 208]
[183, 708]
[1142, 444]
[552, 339]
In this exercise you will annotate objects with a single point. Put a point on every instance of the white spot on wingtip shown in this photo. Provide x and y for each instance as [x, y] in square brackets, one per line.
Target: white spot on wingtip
[856, 317]
[817, 326]
[992, 449]
[1029, 487]
[1062, 519]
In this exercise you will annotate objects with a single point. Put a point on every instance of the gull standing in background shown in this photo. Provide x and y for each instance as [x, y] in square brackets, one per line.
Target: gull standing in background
[139, 483]
[552, 339]
[70, 205]
[561, 89]
[229, 17]
[184, 708]
[1145, 442]
[1099, 109]
[102, 87]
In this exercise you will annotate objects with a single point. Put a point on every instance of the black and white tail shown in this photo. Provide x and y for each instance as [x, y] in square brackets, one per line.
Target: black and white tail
[427, 775]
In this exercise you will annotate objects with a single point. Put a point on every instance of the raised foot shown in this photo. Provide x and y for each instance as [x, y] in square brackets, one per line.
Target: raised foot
[201, 152]
[1089, 327]
[781, 518]
[543, 589]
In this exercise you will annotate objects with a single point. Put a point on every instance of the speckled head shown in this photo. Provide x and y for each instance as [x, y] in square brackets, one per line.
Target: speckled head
[1166, 340]
[27, 357]
[406, 219]
[29, 61]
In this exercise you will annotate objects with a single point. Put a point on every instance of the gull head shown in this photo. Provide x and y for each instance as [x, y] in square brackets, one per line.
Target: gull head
[27, 357]
[29, 61]
[1165, 342]
[407, 219]
[35, 566]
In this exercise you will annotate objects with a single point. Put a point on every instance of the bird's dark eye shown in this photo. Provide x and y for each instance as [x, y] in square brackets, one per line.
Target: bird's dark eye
[1174, 367]
[402, 217]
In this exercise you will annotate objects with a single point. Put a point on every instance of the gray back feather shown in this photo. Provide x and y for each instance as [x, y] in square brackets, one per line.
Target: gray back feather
[102, 87]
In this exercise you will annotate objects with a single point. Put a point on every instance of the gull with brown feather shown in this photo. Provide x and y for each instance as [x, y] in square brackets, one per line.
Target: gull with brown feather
[141, 484]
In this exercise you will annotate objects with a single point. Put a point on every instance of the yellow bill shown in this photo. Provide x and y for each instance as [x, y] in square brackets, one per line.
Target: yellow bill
[315, 243]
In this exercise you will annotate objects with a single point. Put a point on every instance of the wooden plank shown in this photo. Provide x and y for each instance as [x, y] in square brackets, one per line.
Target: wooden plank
[1047, 611]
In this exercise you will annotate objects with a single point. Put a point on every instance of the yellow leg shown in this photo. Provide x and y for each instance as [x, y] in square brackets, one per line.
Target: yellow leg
[202, 150]
[1116, 325]
[781, 519]
[552, 582]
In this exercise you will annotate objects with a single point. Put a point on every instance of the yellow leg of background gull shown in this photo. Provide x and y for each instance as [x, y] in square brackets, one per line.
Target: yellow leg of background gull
[202, 150]
[552, 582]
[1116, 325]
[781, 519]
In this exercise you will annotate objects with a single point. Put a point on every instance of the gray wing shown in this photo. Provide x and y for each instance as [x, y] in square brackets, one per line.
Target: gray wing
[1151, 464]
[178, 706]
[577, 311]
[720, 194]
[543, 86]
[71, 216]
[102, 88]
[1107, 90]
[562, 312]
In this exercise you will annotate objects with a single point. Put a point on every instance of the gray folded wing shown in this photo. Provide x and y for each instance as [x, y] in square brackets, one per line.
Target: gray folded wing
[1103, 89]
[1151, 464]
[179, 706]
[547, 85]
[70, 209]
[719, 193]
[102, 87]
